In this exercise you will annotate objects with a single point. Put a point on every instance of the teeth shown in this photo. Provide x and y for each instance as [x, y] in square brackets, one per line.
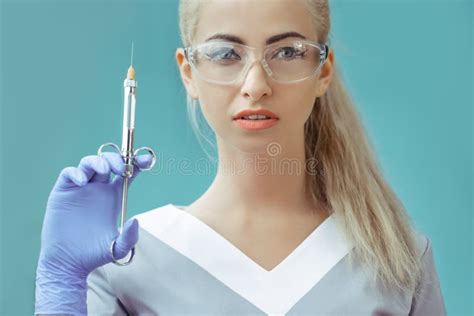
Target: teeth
[256, 117]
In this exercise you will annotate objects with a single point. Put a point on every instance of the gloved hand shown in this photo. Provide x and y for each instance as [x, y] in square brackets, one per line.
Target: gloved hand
[79, 225]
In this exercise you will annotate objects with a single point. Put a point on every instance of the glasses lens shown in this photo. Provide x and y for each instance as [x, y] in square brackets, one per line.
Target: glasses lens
[293, 61]
[220, 62]
[224, 62]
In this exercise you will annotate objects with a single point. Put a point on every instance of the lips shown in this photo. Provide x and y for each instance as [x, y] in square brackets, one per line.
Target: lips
[256, 125]
[255, 112]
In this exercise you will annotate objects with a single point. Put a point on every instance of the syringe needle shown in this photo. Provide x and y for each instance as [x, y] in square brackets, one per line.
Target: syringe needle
[131, 59]
[131, 71]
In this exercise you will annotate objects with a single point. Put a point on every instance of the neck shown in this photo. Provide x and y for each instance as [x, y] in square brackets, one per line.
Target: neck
[267, 183]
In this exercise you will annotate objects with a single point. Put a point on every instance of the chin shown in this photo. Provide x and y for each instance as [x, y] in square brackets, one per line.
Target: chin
[254, 144]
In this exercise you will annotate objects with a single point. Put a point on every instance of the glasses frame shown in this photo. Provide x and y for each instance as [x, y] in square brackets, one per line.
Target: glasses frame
[323, 55]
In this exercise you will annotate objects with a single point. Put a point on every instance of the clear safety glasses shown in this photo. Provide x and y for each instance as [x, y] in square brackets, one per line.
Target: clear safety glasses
[227, 63]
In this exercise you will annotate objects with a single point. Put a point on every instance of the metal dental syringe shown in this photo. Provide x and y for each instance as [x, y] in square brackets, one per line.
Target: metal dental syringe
[127, 152]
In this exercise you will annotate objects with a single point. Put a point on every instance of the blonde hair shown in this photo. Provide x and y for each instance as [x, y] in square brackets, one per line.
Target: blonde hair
[349, 181]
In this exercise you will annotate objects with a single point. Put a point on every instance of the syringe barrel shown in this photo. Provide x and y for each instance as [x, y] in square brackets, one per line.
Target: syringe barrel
[129, 104]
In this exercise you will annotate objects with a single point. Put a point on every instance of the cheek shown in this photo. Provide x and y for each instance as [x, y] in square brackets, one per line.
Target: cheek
[214, 103]
[211, 114]
[297, 104]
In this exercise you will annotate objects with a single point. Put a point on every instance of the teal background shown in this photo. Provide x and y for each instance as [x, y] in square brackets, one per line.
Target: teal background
[408, 65]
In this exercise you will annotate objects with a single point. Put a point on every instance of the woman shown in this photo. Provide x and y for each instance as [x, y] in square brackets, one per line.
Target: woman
[303, 223]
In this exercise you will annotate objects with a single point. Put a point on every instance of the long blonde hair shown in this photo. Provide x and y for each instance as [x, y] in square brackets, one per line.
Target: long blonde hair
[349, 181]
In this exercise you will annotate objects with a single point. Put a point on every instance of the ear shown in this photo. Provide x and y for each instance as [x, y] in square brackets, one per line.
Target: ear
[186, 73]
[325, 75]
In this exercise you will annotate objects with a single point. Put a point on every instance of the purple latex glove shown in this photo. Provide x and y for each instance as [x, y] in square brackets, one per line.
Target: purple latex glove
[79, 225]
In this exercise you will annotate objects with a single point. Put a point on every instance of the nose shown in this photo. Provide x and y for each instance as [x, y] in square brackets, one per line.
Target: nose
[255, 80]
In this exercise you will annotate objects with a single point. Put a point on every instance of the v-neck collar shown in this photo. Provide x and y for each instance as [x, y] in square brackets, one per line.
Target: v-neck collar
[206, 229]
[275, 291]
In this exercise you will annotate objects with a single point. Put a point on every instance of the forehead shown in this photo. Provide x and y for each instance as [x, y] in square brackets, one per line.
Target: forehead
[254, 21]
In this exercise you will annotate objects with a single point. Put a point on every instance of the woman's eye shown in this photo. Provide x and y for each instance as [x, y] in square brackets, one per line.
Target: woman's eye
[288, 52]
[225, 54]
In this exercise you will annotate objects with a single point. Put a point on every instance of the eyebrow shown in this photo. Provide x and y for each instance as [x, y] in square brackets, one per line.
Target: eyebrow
[271, 40]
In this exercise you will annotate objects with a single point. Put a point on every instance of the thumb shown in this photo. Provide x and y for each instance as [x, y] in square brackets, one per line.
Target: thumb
[127, 240]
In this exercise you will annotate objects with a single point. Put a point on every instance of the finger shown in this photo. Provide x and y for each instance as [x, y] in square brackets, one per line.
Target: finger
[115, 162]
[91, 165]
[127, 240]
[142, 161]
[118, 181]
[70, 177]
[102, 177]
